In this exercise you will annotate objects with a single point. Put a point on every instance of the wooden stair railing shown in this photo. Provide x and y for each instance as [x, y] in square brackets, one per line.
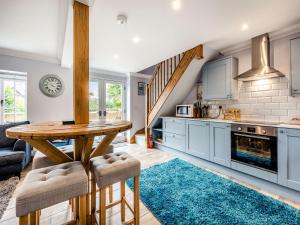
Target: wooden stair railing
[165, 77]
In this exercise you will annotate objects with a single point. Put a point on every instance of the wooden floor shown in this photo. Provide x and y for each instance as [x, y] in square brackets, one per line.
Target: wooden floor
[60, 213]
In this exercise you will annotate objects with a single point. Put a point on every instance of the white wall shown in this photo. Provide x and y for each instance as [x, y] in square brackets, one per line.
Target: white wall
[266, 99]
[136, 103]
[40, 107]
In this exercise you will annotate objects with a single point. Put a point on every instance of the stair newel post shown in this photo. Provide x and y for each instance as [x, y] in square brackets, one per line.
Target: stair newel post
[147, 111]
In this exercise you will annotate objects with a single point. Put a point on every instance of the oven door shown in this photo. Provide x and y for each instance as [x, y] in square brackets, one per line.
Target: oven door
[256, 150]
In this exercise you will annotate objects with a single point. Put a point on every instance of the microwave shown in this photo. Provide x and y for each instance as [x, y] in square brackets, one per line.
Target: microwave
[185, 110]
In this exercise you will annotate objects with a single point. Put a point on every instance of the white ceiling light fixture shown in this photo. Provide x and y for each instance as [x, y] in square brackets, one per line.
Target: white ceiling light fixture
[122, 19]
[245, 26]
[136, 39]
[176, 5]
[116, 56]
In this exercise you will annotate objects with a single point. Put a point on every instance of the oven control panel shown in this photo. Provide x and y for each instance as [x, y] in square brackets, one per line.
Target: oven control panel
[254, 129]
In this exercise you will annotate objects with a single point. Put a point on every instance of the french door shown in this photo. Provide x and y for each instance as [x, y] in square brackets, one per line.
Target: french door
[107, 100]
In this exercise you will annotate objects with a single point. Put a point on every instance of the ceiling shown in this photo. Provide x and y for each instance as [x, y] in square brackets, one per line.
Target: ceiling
[43, 27]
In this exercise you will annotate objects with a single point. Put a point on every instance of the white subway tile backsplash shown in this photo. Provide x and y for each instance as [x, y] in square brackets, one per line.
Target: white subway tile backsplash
[280, 99]
[293, 112]
[264, 100]
[272, 106]
[279, 112]
[272, 118]
[288, 105]
[284, 92]
[279, 86]
[265, 93]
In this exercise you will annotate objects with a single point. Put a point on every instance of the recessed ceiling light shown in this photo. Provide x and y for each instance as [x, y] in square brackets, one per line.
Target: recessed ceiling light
[136, 39]
[176, 5]
[245, 26]
[116, 56]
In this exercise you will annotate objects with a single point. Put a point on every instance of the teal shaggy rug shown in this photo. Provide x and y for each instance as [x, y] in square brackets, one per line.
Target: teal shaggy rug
[177, 192]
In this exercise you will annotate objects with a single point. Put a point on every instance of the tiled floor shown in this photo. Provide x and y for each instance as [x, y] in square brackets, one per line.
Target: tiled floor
[60, 213]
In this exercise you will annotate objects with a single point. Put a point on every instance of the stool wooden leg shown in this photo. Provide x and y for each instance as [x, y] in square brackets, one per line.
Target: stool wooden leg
[82, 210]
[102, 215]
[110, 193]
[93, 200]
[75, 208]
[137, 200]
[122, 200]
[33, 218]
[23, 220]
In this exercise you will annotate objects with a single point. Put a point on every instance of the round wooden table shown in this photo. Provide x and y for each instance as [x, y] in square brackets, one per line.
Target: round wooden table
[38, 135]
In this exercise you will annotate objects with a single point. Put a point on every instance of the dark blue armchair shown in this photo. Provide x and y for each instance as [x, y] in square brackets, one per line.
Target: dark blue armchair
[15, 154]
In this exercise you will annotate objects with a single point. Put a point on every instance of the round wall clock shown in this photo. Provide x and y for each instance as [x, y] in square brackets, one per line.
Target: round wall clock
[51, 85]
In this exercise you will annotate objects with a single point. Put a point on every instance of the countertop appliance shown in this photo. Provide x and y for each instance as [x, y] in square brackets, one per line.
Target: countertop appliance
[185, 111]
[255, 145]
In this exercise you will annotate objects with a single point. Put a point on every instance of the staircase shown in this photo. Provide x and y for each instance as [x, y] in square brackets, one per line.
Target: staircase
[165, 78]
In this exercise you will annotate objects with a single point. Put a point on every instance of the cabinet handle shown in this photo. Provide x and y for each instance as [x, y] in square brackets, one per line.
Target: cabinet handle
[281, 131]
[207, 124]
[295, 90]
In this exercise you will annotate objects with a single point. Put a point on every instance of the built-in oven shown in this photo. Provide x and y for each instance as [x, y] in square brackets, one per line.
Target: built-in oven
[254, 145]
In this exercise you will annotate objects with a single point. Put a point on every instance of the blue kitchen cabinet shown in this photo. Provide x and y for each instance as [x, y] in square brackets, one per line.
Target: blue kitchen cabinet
[197, 138]
[174, 133]
[220, 143]
[174, 126]
[289, 158]
[218, 79]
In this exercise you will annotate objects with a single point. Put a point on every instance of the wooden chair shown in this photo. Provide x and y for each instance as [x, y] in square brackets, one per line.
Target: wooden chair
[107, 170]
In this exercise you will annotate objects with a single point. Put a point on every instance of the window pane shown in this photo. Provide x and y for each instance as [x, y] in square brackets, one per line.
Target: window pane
[94, 100]
[9, 97]
[14, 101]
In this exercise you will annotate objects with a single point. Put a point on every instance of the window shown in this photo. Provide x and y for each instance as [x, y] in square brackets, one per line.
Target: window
[13, 95]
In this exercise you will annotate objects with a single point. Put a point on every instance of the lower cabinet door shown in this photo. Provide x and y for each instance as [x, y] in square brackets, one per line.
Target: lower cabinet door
[289, 158]
[220, 143]
[197, 139]
[174, 141]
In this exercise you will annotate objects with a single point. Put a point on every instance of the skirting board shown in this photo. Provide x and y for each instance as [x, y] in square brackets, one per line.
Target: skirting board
[248, 179]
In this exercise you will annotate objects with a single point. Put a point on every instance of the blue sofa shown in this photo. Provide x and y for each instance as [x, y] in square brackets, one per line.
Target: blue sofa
[15, 154]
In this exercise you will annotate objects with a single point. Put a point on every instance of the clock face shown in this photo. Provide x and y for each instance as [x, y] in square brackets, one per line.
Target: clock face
[51, 85]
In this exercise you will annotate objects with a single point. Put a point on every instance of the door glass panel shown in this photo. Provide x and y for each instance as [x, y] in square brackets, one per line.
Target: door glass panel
[94, 100]
[114, 101]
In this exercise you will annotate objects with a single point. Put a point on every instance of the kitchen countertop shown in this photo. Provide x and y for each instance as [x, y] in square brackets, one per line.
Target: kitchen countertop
[280, 125]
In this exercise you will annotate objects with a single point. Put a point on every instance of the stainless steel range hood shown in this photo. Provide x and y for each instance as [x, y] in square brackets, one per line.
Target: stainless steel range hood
[261, 68]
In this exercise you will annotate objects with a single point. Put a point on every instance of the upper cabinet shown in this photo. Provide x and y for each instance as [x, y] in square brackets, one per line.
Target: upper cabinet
[295, 67]
[218, 79]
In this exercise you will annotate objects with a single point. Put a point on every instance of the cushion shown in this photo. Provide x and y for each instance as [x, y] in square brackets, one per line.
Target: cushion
[40, 160]
[5, 141]
[48, 186]
[114, 167]
[19, 145]
[8, 157]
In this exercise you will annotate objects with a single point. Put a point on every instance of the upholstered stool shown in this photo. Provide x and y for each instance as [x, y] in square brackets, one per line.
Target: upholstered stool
[107, 170]
[48, 186]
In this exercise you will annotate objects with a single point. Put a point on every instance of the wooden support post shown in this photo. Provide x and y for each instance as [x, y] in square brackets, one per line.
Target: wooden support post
[81, 69]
